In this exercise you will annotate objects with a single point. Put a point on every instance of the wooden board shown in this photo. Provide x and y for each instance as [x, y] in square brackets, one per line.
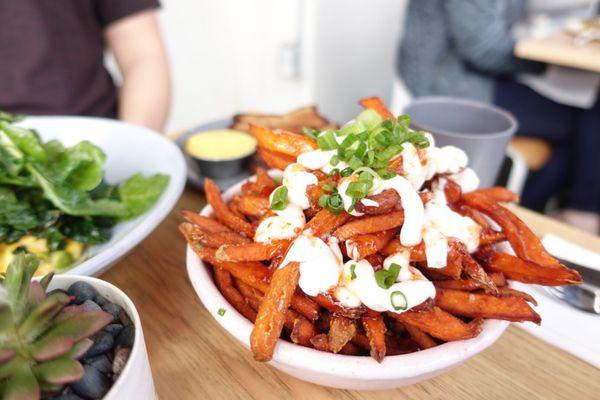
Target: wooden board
[193, 358]
[560, 50]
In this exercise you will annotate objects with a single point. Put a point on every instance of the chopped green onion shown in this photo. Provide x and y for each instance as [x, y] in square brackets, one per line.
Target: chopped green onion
[346, 172]
[333, 172]
[387, 175]
[335, 160]
[326, 140]
[335, 203]
[311, 133]
[329, 187]
[221, 311]
[358, 190]
[398, 300]
[323, 200]
[385, 278]
[279, 198]
[352, 271]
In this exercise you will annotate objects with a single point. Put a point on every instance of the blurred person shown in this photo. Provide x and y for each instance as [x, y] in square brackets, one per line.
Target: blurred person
[562, 107]
[52, 59]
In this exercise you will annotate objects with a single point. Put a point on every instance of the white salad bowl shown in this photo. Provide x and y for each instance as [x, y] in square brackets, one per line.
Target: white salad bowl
[129, 149]
[336, 370]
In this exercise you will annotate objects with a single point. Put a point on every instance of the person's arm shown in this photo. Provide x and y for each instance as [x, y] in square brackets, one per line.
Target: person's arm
[145, 94]
[482, 36]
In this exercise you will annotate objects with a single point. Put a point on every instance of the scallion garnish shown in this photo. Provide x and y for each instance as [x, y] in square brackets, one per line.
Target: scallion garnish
[311, 133]
[398, 300]
[352, 271]
[333, 172]
[329, 187]
[279, 198]
[326, 140]
[385, 278]
[346, 172]
[335, 203]
[221, 312]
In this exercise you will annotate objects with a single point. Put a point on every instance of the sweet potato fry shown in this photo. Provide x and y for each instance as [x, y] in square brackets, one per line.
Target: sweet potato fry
[214, 239]
[376, 104]
[334, 308]
[387, 201]
[253, 206]
[362, 246]
[498, 194]
[261, 185]
[341, 331]
[275, 159]
[271, 314]
[375, 329]
[440, 324]
[321, 342]
[476, 305]
[453, 191]
[222, 212]
[520, 270]
[473, 270]
[251, 251]
[325, 221]
[470, 284]
[524, 242]
[292, 144]
[421, 338]
[371, 224]
[233, 296]
[205, 223]
[510, 292]
[489, 236]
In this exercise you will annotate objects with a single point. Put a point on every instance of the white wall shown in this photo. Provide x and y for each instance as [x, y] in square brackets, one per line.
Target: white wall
[230, 56]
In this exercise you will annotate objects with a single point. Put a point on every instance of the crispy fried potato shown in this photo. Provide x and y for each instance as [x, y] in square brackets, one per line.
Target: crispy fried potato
[375, 329]
[470, 284]
[325, 221]
[528, 272]
[281, 141]
[376, 104]
[275, 159]
[262, 185]
[479, 305]
[498, 194]
[453, 191]
[489, 236]
[421, 338]
[271, 313]
[222, 212]
[387, 201]
[440, 324]
[362, 246]
[510, 292]
[233, 296]
[341, 331]
[205, 223]
[371, 224]
[253, 251]
[212, 239]
[473, 270]
[253, 206]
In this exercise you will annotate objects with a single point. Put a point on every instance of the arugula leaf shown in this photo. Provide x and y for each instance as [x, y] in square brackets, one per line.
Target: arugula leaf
[138, 193]
[26, 140]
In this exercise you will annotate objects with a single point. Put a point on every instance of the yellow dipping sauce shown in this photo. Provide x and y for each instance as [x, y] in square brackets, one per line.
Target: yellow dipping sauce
[220, 145]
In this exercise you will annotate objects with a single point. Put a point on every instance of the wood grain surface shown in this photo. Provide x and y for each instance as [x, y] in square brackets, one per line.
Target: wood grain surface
[193, 358]
[559, 49]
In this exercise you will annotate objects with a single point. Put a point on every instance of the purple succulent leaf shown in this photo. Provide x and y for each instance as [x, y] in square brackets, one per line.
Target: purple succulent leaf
[22, 386]
[68, 312]
[59, 372]
[80, 348]
[6, 355]
[81, 326]
[36, 293]
[38, 321]
[50, 348]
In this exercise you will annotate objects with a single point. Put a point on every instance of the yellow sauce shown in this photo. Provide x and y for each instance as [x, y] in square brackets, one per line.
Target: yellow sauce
[218, 145]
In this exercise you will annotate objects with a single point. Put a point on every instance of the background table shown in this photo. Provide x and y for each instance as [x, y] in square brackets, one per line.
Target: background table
[559, 49]
[193, 358]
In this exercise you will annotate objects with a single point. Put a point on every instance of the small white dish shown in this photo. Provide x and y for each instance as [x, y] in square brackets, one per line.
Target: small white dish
[135, 382]
[336, 370]
[129, 149]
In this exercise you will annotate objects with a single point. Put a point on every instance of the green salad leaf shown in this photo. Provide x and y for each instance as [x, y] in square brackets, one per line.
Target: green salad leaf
[138, 193]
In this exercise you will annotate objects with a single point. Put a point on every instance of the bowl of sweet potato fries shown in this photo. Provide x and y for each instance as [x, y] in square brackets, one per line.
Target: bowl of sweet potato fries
[372, 261]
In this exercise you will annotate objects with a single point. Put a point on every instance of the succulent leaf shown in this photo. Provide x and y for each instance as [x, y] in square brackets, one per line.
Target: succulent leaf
[37, 322]
[60, 371]
[68, 312]
[22, 386]
[17, 281]
[82, 325]
[6, 324]
[45, 281]
[80, 348]
[36, 293]
[8, 368]
[6, 355]
[47, 349]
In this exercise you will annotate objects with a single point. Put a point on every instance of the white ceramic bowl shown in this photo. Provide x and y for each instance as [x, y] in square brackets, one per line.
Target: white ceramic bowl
[336, 370]
[135, 382]
[129, 149]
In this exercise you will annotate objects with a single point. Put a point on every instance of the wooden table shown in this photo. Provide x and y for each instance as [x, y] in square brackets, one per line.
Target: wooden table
[559, 49]
[193, 358]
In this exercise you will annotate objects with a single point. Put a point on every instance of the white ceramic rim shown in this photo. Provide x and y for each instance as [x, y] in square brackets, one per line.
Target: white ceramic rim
[358, 367]
[65, 280]
[99, 262]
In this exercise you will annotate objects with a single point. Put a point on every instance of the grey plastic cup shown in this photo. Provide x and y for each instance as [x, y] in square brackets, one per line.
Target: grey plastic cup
[481, 130]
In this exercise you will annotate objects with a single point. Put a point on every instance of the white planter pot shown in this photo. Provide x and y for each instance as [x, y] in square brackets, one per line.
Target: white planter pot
[135, 381]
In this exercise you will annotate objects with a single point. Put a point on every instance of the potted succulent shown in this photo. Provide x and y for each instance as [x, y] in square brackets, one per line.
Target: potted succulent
[68, 338]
